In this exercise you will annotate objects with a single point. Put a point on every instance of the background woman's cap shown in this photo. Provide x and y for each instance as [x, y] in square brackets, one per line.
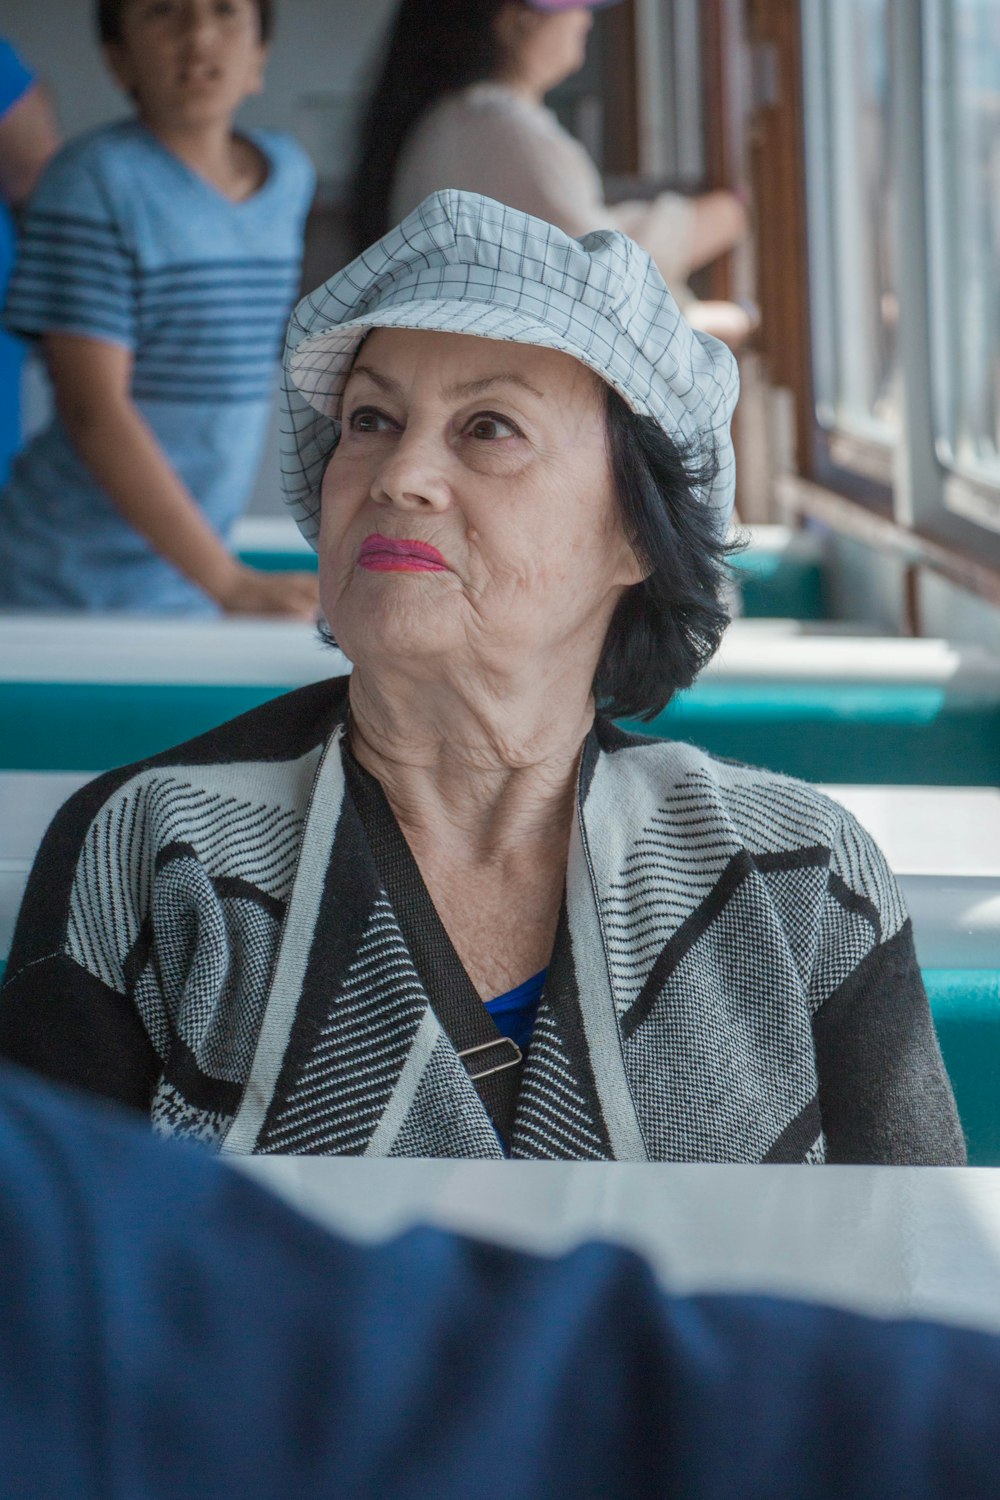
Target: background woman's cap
[460, 263]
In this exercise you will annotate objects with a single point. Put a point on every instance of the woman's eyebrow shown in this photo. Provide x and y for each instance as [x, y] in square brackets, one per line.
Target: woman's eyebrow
[463, 389]
[384, 382]
[502, 377]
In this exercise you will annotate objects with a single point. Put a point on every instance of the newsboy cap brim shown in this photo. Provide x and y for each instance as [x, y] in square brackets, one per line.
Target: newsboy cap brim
[463, 264]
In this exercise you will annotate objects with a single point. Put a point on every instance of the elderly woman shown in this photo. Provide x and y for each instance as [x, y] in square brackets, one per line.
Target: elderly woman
[443, 907]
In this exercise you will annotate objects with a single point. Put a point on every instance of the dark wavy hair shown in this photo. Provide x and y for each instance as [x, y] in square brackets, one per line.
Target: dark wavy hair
[667, 627]
[431, 50]
[110, 12]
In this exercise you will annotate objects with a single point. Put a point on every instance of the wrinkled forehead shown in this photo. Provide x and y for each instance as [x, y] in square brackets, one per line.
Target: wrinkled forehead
[457, 364]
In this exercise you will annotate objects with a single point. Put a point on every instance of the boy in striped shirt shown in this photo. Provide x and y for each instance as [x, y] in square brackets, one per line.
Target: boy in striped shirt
[159, 258]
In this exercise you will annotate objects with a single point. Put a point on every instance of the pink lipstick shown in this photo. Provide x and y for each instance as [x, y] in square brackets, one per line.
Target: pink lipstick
[394, 554]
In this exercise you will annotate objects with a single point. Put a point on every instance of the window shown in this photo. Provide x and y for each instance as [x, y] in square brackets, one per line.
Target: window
[850, 198]
[962, 61]
[670, 84]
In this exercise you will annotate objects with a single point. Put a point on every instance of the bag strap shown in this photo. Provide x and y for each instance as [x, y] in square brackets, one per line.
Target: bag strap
[493, 1062]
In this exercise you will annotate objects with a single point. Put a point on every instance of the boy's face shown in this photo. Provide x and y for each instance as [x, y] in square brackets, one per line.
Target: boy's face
[189, 62]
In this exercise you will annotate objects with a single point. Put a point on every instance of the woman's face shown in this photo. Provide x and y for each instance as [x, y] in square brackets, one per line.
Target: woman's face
[468, 513]
[542, 50]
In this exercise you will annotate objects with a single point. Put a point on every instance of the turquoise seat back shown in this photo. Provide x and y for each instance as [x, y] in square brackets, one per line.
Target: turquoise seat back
[88, 726]
[273, 560]
[966, 1008]
[780, 584]
[821, 732]
[884, 733]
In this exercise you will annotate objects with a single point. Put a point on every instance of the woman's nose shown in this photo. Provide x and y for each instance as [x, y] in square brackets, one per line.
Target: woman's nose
[413, 476]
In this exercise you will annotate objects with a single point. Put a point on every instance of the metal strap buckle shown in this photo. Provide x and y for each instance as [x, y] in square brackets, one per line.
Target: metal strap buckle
[501, 1041]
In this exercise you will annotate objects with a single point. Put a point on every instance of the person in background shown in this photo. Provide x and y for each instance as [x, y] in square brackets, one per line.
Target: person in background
[459, 102]
[159, 258]
[169, 1330]
[28, 137]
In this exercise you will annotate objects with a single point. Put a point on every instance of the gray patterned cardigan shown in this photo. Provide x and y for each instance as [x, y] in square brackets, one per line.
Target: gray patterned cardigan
[207, 936]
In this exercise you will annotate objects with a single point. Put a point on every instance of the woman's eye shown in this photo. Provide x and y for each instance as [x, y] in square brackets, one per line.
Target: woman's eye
[368, 419]
[487, 428]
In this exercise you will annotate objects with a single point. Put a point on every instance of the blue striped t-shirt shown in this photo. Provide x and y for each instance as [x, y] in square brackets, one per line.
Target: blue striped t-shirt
[125, 243]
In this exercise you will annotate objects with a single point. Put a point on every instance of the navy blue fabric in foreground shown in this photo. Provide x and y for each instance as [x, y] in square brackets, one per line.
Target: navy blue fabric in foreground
[167, 1329]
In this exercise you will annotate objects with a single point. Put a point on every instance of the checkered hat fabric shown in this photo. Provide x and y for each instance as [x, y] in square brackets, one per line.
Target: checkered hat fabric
[460, 263]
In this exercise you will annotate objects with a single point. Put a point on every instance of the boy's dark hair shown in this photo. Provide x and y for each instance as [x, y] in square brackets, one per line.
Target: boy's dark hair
[109, 19]
[432, 49]
[666, 628]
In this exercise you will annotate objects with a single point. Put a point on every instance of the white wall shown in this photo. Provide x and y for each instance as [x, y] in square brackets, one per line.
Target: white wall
[319, 56]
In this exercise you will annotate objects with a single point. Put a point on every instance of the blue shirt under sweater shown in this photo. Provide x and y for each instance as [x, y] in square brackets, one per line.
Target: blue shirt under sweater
[125, 243]
[514, 1012]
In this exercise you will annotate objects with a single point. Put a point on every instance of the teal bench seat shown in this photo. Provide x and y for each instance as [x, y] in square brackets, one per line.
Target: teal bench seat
[273, 544]
[843, 734]
[271, 560]
[91, 726]
[816, 702]
[781, 573]
[966, 1008]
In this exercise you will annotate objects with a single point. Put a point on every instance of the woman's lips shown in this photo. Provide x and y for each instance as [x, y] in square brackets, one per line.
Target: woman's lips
[394, 554]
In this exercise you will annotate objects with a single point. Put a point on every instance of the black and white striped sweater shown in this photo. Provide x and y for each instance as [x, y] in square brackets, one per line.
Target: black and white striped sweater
[206, 936]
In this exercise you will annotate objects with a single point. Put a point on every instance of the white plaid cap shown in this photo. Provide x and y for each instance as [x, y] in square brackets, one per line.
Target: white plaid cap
[460, 263]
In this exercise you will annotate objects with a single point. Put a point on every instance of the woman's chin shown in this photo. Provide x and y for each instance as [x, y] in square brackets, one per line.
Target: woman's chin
[395, 630]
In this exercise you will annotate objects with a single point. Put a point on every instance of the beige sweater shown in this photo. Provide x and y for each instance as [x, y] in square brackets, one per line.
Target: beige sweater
[488, 139]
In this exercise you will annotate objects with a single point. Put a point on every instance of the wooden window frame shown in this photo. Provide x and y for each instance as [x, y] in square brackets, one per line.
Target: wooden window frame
[777, 153]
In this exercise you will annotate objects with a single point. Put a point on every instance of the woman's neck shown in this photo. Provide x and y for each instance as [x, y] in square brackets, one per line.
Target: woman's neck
[523, 86]
[484, 772]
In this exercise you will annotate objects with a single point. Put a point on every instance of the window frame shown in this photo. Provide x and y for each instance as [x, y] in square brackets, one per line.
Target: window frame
[967, 491]
[856, 462]
[907, 484]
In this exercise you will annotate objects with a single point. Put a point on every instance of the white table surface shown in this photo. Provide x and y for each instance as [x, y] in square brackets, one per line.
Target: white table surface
[902, 1241]
[942, 842]
[109, 648]
[775, 650]
[286, 653]
[275, 534]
